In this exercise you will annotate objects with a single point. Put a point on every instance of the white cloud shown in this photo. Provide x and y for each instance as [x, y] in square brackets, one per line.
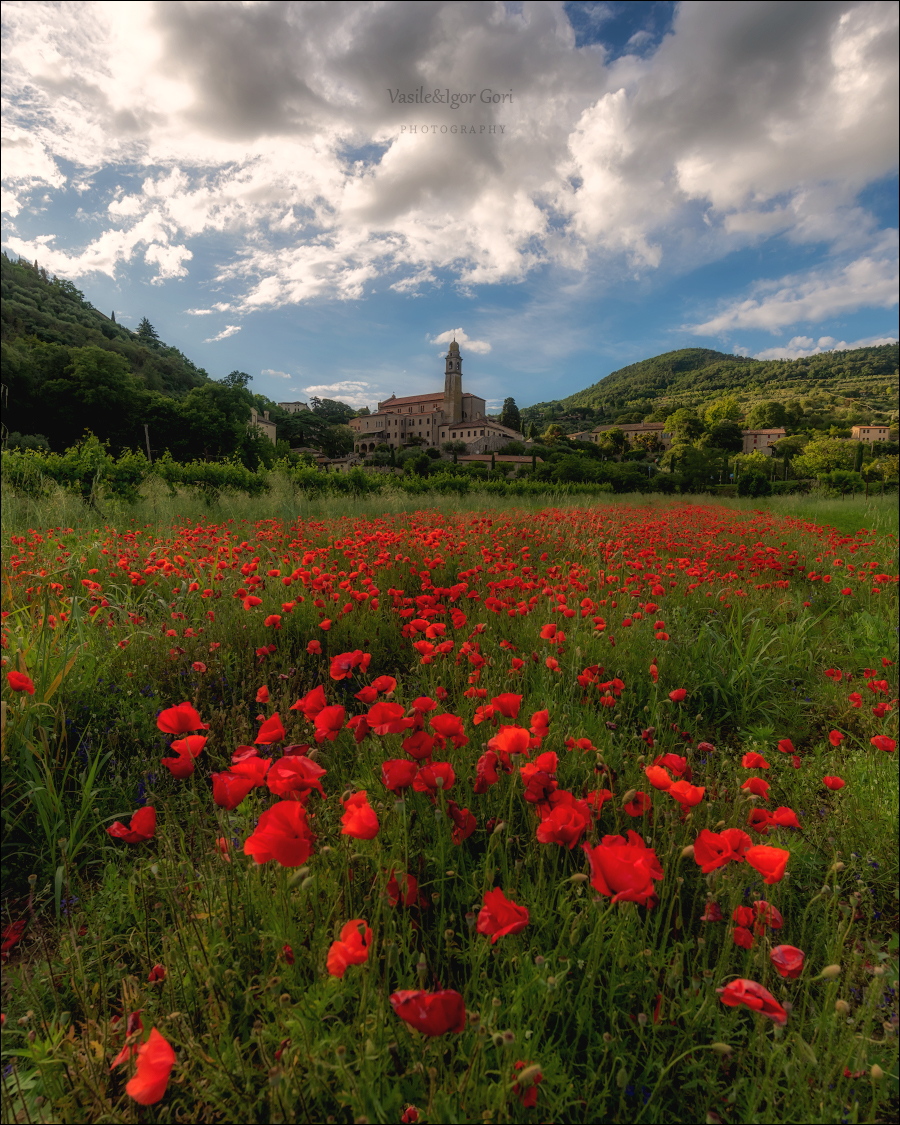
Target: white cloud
[748, 120]
[277, 374]
[228, 330]
[353, 392]
[801, 346]
[479, 347]
[869, 281]
[221, 306]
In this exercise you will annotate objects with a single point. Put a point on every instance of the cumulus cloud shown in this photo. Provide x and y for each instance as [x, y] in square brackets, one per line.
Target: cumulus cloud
[270, 126]
[801, 346]
[480, 347]
[228, 330]
[277, 374]
[352, 391]
[869, 281]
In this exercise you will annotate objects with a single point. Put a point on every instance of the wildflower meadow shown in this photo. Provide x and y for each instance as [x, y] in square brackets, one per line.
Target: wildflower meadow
[521, 813]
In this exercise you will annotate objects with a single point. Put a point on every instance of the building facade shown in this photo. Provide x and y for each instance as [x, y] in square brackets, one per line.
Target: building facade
[429, 419]
[632, 431]
[293, 407]
[762, 441]
[263, 423]
[871, 433]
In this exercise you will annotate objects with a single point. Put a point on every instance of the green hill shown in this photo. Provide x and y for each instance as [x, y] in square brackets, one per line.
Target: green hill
[865, 378]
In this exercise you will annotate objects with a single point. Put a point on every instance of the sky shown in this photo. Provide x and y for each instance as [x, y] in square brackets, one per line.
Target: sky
[323, 194]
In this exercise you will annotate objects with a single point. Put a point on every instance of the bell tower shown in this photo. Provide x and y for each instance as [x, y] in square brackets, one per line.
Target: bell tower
[453, 385]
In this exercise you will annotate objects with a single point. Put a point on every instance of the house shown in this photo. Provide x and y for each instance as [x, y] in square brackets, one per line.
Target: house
[263, 423]
[870, 433]
[293, 407]
[762, 441]
[632, 431]
[433, 417]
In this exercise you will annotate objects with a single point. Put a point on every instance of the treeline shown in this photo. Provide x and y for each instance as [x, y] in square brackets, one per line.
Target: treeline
[68, 369]
[652, 388]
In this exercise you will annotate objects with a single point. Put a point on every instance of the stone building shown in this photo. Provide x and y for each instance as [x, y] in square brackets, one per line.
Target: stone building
[871, 433]
[293, 407]
[429, 419]
[762, 441]
[263, 423]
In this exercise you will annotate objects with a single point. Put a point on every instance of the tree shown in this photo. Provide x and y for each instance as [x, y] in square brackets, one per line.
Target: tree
[684, 425]
[532, 431]
[454, 447]
[553, 433]
[509, 415]
[648, 441]
[237, 379]
[824, 455]
[723, 410]
[97, 392]
[147, 333]
[726, 435]
[766, 416]
[612, 443]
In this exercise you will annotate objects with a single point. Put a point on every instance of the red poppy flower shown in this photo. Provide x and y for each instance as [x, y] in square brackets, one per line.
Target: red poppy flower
[712, 913]
[229, 789]
[674, 762]
[398, 774]
[271, 731]
[678, 695]
[563, 825]
[527, 1090]
[486, 772]
[329, 723]
[180, 719]
[359, 819]
[464, 823]
[540, 724]
[384, 684]
[786, 746]
[754, 761]
[855, 699]
[295, 774]
[713, 849]
[314, 648]
[419, 745]
[141, 829]
[768, 861]
[743, 915]
[836, 738]
[288, 954]
[638, 804]
[187, 750]
[754, 997]
[757, 786]
[510, 740]
[788, 960]
[767, 914]
[366, 695]
[499, 916]
[155, 1060]
[658, 777]
[423, 704]
[507, 705]
[18, 681]
[343, 665]
[311, 703]
[685, 794]
[386, 718]
[834, 782]
[548, 632]
[624, 870]
[282, 834]
[742, 937]
[430, 778]
[352, 948]
[432, 1013]
[157, 974]
[449, 727]
[596, 799]
[262, 694]
[409, 895]
[882, 742]
[784, 817]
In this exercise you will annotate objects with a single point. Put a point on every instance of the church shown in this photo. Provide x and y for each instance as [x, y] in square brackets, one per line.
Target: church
[428, 420]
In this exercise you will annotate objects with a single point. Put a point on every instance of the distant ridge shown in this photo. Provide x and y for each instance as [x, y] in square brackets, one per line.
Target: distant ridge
[690, 376]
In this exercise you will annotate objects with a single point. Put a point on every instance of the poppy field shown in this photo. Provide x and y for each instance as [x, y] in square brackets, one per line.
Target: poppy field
[548, 814]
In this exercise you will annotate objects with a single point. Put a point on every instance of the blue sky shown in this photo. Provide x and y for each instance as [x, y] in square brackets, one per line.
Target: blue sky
[659, 176]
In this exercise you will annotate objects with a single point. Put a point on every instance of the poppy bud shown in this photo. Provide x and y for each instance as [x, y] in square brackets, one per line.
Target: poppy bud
[540, 961]
[629, 796]
[622, 1078]
[509, 1037]
[688, 852]
[838, 866]
[642, 1019]
[875, 1072]
[830, 972]
[498, 828]
[527, 1076]
[841, 1007]
[579, 878]
[722, 1049]
[878, 971]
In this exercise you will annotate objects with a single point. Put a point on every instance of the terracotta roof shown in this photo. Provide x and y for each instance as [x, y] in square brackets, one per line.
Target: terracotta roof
[407, 400]
[751, 432]
[485, 422]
